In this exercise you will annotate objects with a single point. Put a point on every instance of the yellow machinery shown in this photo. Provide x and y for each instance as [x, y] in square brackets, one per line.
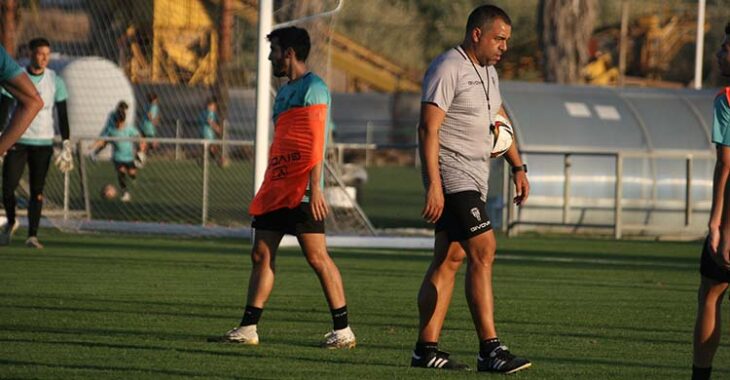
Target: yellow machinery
[184, 45]
[185, 50]
[660, 39]
[359, 63]
[663, 42]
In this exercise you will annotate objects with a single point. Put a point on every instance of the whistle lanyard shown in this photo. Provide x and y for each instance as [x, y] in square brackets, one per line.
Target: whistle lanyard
[485, 88]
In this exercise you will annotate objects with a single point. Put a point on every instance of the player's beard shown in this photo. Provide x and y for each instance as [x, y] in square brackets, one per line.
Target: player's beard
[278, 69]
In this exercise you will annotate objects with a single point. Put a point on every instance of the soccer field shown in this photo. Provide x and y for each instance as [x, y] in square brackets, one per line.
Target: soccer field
[93, 305]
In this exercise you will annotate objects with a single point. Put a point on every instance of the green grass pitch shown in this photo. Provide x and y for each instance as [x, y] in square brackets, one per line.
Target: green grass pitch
[110, 306]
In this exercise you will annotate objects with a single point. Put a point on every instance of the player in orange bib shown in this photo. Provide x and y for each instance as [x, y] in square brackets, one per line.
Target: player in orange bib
[715, 256]
[291, 200]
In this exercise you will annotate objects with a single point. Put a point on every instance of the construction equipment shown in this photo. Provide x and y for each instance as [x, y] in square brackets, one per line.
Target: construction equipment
[360, 64]
[185, 50]
[184, 45]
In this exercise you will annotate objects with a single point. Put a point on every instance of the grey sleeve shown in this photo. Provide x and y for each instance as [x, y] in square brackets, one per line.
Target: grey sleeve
[439, 84]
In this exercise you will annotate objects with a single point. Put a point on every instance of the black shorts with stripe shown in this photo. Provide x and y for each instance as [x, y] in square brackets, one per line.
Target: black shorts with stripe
[292, 221]
[709, 268]
[464, 216]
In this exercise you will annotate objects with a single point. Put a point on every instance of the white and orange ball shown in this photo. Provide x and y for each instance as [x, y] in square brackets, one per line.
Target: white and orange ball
[503, 136]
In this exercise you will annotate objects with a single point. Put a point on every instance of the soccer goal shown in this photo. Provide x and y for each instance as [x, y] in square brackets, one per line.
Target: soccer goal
[175, 57]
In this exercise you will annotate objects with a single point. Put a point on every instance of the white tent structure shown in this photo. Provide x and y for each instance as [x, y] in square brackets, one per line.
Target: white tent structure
[630, 159]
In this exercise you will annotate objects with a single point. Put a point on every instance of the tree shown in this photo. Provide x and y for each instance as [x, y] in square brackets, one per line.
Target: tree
[565, 28]
[9, 10]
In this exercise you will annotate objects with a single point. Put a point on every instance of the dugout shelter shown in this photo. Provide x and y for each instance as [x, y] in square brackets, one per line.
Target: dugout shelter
[634, 160]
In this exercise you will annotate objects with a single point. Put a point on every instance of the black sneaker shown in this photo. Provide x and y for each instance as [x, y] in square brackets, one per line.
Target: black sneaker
[437, 360]
[502, 361]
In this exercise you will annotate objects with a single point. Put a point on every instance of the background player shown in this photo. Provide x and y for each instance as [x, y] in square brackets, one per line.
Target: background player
[715, 258]
[35, 147]
[124, 152]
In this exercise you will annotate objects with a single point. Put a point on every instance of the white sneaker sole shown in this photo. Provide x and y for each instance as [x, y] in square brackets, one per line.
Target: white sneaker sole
[340, 345]
[225, 339]
[528, 365]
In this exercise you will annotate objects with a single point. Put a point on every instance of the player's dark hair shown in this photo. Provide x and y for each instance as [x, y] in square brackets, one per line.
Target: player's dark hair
[38, 42]
[292, 37]
[483, 16]
[122, 105]
[151, 97]
[120, 116]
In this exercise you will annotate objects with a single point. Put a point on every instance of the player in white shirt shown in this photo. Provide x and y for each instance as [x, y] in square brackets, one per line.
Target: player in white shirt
[35, 146]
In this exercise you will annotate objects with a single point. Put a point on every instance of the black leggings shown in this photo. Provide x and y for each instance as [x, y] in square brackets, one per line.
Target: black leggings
[38, 159]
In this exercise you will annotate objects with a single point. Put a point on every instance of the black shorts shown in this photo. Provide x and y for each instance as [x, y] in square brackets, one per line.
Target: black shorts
[292, 221]
[710, 269]
[126, 165]
[464, 216]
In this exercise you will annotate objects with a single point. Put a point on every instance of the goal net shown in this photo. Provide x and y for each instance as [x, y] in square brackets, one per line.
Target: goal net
[186, 53]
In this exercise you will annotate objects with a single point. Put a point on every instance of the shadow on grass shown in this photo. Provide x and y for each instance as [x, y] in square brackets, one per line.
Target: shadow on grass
[144, 245]
[588, 361]
[106, 368]
[240, 351]
[146, 312]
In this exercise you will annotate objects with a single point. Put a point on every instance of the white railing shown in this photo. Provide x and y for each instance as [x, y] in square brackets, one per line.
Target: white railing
[514, 219]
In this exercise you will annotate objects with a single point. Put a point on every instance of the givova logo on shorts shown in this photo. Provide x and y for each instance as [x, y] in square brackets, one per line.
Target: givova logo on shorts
[478, 216]
[481, 226]
[475, 213]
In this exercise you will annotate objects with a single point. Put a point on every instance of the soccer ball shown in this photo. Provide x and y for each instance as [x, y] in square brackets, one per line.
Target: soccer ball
[503, 136]
[109, 192]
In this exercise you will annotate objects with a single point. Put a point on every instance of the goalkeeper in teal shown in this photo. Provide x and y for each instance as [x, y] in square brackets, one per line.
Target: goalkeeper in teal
[124, 155]
[35, 147]
[715, 257]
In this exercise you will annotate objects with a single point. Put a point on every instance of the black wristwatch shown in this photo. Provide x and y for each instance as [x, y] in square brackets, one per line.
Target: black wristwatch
[516, 169]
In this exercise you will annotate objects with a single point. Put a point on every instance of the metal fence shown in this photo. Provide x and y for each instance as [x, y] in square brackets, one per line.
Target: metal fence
[183, 182]
[687, 174]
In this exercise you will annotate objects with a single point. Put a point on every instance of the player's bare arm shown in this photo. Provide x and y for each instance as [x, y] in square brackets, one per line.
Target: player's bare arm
[29, 104]
[720, 192]
[428, 144]
[97, 146]
[721, 173]
[316, 199]
[519, 177]
[216, 127]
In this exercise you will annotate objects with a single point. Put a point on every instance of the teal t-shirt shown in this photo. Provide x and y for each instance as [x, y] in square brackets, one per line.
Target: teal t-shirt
[721, 121]
[305, 91]
[150, 113]
[123, 150]
[9, 69]
[207, 117]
